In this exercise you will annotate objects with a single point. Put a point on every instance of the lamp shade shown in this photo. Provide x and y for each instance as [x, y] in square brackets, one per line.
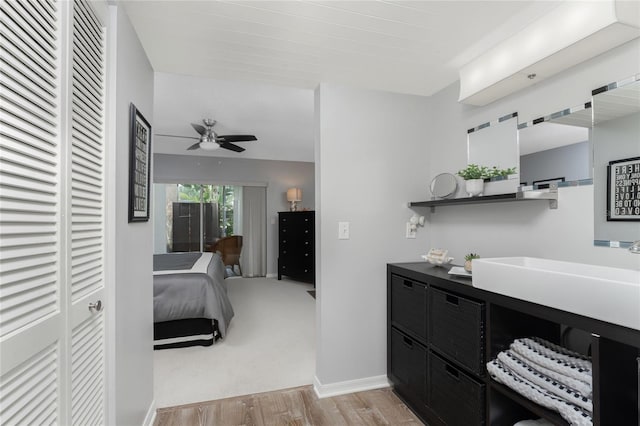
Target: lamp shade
[294, 194]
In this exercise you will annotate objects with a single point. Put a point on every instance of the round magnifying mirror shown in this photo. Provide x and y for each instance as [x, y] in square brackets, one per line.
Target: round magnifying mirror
[443, 185]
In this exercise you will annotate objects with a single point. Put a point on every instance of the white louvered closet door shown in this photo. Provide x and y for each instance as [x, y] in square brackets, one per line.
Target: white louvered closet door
[51, 213]
[86, 204]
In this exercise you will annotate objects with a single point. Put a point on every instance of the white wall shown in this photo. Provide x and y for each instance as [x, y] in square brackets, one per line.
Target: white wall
[371, 158]
[277, 176]
[131, 358]
[375, 151]
[527, 228]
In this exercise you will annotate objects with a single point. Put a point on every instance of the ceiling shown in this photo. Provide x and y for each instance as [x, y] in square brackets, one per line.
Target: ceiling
[253, 65]
[411, 47]
[282, 118]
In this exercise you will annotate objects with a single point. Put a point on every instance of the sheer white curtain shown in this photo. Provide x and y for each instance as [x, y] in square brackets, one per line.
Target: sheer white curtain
[253, 259]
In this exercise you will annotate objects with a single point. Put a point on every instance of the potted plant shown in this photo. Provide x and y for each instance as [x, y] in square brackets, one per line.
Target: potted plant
[467, 261]
[474, 177]
[499, 174]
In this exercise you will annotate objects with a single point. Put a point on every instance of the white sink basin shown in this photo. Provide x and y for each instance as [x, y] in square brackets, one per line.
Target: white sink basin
[607, 294]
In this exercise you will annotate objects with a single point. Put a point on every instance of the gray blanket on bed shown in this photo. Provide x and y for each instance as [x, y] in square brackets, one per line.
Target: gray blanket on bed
[174, 261]
[193, 295]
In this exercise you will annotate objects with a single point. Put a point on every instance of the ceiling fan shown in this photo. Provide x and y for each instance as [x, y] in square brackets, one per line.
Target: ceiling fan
[209, 140]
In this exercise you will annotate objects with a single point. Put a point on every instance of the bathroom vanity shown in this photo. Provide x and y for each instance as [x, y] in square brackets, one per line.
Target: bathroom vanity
[441, 332]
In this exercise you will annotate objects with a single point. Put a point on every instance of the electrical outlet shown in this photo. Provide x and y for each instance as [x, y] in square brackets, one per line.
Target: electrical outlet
[410, 233]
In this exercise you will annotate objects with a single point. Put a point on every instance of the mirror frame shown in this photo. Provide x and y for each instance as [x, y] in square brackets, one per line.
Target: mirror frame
[440, 177]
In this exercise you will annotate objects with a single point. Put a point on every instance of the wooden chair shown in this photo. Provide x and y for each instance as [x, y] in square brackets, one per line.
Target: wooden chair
[230, 248]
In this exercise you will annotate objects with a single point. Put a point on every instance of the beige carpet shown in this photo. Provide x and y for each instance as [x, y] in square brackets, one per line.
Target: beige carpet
[270, 345]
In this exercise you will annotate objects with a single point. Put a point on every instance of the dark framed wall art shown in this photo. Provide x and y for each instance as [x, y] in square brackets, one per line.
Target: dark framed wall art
[623, 189]
[139, 165]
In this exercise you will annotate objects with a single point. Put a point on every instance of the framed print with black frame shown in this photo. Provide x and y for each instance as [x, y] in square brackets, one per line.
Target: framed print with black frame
[623, 190]
[139, 165]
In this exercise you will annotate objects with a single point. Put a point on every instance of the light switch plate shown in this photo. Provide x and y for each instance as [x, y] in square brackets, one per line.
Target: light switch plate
[343, 230]
[410, 233]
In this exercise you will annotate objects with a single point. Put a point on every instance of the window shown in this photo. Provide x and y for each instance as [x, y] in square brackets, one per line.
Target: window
[195, 215]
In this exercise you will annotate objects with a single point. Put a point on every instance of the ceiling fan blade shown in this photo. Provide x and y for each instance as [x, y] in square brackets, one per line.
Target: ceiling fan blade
[194, 146]
[230, 146]
[198, 128]
[177, 136]
[236, 138]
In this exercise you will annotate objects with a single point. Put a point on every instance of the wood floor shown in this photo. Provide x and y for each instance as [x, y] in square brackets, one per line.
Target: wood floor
[293, 407]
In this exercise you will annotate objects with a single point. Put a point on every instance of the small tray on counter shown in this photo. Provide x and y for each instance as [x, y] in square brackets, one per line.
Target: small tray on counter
[459, 271]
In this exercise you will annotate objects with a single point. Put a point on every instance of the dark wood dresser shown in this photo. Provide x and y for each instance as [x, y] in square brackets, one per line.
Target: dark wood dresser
[296, 245]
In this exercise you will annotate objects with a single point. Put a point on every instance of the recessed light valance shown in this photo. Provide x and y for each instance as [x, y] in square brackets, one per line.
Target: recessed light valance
[569, 34]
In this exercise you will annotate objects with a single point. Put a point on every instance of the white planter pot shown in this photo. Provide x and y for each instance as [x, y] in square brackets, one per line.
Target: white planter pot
[474, 187]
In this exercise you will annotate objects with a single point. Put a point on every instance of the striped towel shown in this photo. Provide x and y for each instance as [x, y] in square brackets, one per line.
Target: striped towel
[549, 375]
[559, 387]
[567, 363]
[571, 413]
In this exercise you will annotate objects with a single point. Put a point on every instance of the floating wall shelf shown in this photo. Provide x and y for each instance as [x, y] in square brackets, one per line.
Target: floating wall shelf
[551, 195]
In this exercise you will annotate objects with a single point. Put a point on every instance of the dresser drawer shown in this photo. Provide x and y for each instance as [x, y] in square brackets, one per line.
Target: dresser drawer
[409, 306]
[457, 398]
[457, 328]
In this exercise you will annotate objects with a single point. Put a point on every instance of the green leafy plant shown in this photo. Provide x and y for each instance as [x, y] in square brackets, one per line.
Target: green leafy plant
[496, 172]
[473, 171]
[471, 256]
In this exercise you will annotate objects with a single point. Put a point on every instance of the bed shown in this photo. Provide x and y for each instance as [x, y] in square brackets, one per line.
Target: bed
[190, 302]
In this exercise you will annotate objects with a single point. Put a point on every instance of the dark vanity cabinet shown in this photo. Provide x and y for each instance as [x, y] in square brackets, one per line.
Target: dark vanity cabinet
[296, 245]
[441, 332]
[435, 351]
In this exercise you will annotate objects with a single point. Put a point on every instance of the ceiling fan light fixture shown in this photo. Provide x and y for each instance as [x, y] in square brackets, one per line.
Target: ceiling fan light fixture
[209, 145]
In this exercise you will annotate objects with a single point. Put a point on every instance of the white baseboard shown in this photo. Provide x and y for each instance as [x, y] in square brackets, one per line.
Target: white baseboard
[151, 414]
[349, 386]
[272, 275]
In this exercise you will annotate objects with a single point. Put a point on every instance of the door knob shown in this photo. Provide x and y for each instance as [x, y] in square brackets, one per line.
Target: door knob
[95, 306]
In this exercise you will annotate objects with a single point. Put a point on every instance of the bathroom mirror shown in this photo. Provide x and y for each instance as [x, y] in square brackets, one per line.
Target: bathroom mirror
[494, 143]
[443, 185]
[616, 137]
[556, 148]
